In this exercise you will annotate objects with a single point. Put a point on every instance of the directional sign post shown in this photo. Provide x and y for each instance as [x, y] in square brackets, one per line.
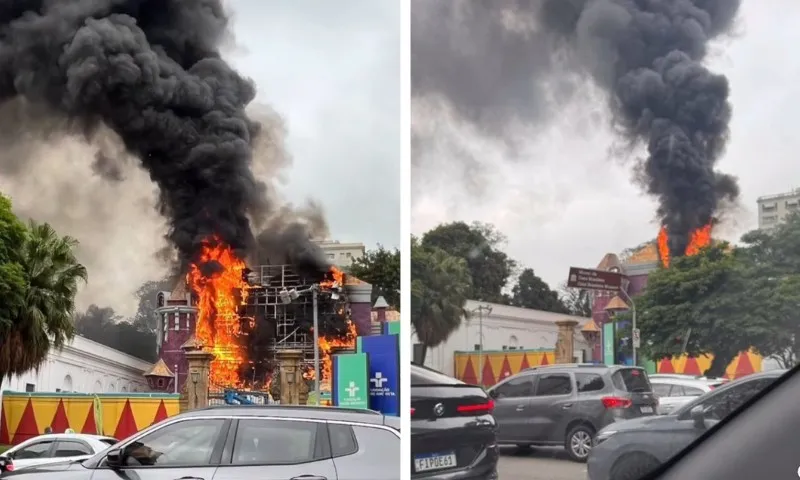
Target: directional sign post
[598, 280]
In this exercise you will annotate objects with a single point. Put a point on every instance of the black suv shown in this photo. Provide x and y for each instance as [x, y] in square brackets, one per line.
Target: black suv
[567, 404]
[242, 442]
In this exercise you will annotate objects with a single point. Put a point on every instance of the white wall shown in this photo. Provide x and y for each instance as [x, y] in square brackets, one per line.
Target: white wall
[85, 366]
[522, 328]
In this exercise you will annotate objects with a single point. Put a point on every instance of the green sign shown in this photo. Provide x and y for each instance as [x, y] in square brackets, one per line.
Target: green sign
[608, 344]
[351, 389]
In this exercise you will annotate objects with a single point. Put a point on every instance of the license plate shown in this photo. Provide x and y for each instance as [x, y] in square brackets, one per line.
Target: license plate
[646, 409]
[434, 461]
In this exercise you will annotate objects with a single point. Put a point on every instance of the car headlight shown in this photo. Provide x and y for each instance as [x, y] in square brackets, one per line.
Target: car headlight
[603, 435]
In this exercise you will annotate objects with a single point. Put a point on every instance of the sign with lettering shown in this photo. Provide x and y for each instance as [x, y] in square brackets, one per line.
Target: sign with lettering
[598, 280]
[384, 372]
[350, 380]
[609, 357]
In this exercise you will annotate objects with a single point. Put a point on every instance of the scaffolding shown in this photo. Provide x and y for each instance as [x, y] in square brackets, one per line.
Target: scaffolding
[265, 302]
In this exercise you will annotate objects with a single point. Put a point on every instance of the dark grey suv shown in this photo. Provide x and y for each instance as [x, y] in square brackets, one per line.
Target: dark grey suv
[567, 404]
[239, 443]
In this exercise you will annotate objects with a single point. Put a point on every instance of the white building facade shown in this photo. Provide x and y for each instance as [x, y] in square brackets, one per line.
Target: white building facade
[504, 328]
[341, 254]
[84, 366]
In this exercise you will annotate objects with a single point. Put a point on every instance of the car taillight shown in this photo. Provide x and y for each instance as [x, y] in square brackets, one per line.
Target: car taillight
[616, 402]
[477, 408]
[413, 410]
[10, 466]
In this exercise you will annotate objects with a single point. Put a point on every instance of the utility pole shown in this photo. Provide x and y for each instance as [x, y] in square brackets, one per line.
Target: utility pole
[316, 345]
[481, 309]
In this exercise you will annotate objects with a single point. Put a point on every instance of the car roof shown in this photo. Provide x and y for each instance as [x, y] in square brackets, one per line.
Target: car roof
[691, 382]
[291, 411]
[578, 366]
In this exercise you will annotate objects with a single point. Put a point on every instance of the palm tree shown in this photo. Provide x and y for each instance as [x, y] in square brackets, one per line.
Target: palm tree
[52, 273]
[440, 284]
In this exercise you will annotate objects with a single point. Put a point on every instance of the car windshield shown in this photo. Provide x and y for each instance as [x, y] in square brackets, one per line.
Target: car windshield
[602, 184]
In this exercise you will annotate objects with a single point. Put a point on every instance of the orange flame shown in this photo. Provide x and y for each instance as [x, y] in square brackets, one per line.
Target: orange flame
[218, 324]
[338, 279]
[326, 346]
[698, 240]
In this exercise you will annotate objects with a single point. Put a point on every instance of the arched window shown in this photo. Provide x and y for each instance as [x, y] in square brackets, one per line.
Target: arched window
[513, 342]
[98, 387]
[112, 388]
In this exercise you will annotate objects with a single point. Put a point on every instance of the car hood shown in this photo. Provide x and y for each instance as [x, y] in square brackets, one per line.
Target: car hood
[651, 423]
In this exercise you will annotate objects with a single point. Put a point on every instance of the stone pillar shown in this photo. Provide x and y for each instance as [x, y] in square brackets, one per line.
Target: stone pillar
[565, 345]
[359, 296]
[198, 379]
[291, 376]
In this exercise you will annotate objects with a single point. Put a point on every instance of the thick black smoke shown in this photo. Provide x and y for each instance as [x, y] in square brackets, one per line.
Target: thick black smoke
[151, 71]
[495, 61]
[648, 54]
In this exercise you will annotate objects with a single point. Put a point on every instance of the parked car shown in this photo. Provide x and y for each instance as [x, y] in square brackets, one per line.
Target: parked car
[54, 447]
[673, 393]
[566, 404]
[631, 449]
[453, 433]
[243, 442]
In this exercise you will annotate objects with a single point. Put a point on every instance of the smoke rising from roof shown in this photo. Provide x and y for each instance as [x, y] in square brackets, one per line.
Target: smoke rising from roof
[647, 56]
[99, 95]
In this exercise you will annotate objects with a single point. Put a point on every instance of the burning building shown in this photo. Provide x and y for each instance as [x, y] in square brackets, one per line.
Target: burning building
[245, 316]
[636, 267]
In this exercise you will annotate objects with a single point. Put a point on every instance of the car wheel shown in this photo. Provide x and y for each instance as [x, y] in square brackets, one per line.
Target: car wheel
[579, 442]
[633, 466]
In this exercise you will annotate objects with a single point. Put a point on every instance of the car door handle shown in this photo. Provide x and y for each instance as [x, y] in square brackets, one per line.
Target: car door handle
[308, 477]
[566, 406]
[190, 478]
[520, 408]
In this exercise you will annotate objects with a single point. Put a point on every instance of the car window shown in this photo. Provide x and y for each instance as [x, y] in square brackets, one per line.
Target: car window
[589, 382]
[276, 442]
[677, 391]
[71, 448]
[516, 387]
[109, 441]
[34, 450]
[661, 389]
[631, 380]
[725, 402]
[553, 384]
[380, 446]
[187, 443]
[343, 440]
[692, 391]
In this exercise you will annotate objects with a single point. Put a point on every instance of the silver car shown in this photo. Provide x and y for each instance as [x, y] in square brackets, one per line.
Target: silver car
[674, 392]
[55, 447]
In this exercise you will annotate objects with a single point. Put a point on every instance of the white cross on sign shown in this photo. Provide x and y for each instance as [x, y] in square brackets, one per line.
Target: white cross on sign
[352, 389]
[378, 380]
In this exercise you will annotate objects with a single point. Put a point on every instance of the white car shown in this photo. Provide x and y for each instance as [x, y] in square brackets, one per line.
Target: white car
[673, 392]
[56, 447]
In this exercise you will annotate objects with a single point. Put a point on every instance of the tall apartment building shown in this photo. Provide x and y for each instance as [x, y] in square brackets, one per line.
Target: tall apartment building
[772, 209]
[341, 254]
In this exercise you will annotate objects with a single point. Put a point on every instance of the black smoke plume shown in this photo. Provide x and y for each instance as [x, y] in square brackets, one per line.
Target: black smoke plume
[648, 54]
[151, 71]
[495, 61]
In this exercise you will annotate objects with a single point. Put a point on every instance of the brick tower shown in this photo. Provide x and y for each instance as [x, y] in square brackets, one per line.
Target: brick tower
[176, 315]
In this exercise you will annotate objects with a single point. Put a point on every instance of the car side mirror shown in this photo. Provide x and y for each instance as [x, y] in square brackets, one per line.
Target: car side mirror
[698, 416]
[4, 463]
[493, 393]
[115, 458]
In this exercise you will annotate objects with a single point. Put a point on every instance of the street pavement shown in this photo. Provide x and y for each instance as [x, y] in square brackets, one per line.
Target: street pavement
[539, 464]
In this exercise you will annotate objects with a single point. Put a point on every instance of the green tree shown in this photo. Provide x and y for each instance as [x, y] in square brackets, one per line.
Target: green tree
[104, 326]
[707, 302]
[145, 319]
[530, 291]
[12, 275]
[772, 271]
[577, 301]
[381, 268]
[44, 321]
[440, 284]
[478, 245]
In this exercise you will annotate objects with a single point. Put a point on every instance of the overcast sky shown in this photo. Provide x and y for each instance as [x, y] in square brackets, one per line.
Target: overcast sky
[564, 202]
[332, 70]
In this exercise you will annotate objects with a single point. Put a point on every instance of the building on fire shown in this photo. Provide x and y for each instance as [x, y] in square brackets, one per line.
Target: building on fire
[267, 325]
